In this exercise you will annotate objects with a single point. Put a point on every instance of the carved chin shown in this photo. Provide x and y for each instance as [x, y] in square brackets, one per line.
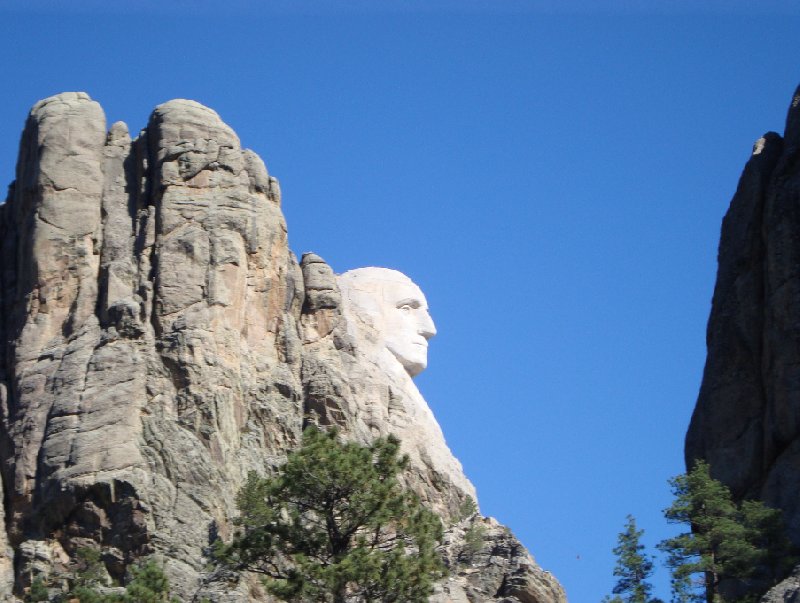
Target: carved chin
[414, 368]
[413, 365]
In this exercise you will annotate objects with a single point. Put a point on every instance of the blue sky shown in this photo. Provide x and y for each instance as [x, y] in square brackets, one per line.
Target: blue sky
[552, 174]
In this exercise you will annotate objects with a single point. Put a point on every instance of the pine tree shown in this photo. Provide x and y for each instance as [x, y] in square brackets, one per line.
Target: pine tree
[723, 541]
[88, 576]
[334, 525]
[766, 530]
[37, 591]
[633, 567]
[682, 589]
[148, 584]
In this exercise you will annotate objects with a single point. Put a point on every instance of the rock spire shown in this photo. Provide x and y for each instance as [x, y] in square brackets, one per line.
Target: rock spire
[746, 423]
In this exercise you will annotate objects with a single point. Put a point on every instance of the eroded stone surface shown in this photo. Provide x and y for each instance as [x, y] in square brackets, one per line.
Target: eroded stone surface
[160, 341]
[488, 563]
[153, 345]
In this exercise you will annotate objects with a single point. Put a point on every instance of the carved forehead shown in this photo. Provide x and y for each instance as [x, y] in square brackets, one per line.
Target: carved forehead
[384, 284]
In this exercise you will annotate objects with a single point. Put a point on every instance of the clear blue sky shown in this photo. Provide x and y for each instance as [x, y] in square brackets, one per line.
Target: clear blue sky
[552, 175]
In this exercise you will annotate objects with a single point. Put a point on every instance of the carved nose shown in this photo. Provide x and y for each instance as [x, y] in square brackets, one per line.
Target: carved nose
[426, 326]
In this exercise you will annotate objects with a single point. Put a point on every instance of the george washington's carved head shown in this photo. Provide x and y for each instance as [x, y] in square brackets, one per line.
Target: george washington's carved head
[396, 308]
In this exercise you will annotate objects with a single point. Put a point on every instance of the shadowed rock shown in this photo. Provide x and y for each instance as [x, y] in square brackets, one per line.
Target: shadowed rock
[746, 423]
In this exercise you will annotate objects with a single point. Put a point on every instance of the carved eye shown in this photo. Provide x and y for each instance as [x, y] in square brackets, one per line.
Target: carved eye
[407, 305]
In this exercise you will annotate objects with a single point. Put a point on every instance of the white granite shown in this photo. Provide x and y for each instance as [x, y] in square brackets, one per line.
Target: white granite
[396, 308]
[387, 315]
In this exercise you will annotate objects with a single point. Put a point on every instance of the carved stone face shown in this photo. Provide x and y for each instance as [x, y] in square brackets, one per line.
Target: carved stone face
[397, 309]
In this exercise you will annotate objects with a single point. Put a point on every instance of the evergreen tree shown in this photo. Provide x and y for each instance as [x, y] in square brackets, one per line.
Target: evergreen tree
[37, 591]
[334, 525]
[633, 567]
[766, 530]
[682, 589]
[723, 541]
[88, 575]
[148, 584]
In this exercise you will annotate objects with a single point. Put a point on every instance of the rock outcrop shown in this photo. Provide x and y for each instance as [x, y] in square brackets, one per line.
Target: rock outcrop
[787, 591]
[368, 393]
[160, 341]
[490, 564]
[747, 420]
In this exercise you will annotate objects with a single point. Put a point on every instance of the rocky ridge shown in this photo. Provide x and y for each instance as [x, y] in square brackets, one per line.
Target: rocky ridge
[160, 340]
[746, 423]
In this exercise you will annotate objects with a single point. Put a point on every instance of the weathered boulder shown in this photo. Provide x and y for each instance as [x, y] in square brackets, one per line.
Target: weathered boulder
[160, 341]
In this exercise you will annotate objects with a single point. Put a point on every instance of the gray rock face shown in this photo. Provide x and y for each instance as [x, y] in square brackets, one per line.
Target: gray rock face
[489, 564]
[787, 591]
[160, 341]
[152, 348]
[747, 420]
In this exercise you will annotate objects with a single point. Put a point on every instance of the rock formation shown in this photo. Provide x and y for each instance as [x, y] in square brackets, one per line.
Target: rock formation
[787, 591]
[747, 420]
[160, 341]
[387, 315]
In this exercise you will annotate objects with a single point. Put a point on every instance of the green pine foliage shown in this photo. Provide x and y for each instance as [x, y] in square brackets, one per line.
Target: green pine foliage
[88, 575]
[467, 508]
[335, 525]
[474, 537]
[148, 583]
[722, 541]
[765, 528]
[86, 594]
[633, 567]
[37, 591]
[683, 590]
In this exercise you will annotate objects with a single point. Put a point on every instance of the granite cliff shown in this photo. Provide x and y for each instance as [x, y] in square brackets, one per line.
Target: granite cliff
[160, 340]
[747, 420]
